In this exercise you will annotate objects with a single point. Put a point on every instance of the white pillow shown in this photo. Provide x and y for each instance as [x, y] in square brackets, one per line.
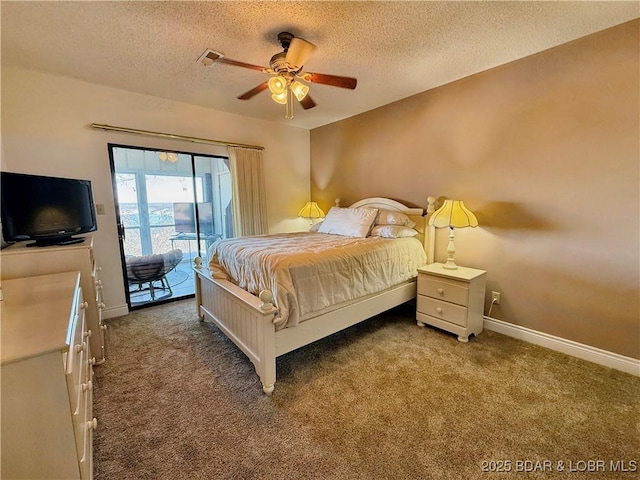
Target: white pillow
[393, 231]
[349, 222]
[389, 217]
[315, 227]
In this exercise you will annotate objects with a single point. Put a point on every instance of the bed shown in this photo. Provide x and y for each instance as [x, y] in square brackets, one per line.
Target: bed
[272, 320]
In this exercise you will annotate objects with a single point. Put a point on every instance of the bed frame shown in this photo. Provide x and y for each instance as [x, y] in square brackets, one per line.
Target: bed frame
[247, 320]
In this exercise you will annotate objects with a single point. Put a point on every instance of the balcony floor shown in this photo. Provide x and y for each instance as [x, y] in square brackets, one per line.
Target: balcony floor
[182, 285]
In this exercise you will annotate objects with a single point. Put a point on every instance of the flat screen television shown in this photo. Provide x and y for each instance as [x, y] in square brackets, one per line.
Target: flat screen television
[184, 217]
[49, 210]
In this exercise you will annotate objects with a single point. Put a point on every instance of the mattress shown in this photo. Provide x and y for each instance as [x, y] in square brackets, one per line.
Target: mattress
[308, 272]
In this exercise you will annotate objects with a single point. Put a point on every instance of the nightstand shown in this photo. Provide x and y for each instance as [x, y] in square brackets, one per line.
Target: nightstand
[452, 300]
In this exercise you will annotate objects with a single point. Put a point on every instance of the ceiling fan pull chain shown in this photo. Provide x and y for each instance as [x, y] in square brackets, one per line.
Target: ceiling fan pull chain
[289, 106]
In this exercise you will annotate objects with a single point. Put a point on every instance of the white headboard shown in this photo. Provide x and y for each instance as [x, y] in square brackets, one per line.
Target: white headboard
[426, 231]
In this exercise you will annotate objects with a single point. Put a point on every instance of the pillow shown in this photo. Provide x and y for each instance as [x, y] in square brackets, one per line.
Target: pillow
[393, 231]
[315, 227]
[349, 222]
[389, 217]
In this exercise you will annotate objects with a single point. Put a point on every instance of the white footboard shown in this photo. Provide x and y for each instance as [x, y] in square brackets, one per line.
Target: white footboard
[247, 321]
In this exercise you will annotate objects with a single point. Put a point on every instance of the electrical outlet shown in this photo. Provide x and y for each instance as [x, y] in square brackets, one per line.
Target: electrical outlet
[100, 208]
[495, 297]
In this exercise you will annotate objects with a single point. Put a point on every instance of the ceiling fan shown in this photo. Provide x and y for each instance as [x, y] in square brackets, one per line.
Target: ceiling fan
[287, 78]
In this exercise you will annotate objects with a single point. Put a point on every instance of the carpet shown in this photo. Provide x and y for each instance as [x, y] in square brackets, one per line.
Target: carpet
[384, 399]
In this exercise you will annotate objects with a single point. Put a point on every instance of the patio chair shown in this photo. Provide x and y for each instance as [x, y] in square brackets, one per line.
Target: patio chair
[145, 272]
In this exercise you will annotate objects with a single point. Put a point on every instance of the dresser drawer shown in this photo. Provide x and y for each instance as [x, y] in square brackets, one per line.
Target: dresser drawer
[80, 419]
[97, 281]
[76, 356]
[449, 312]
[88, 426]
[86, 462]
[88, 365]
[447, 290]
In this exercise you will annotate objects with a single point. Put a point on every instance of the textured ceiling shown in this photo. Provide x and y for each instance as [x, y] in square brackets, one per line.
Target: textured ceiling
[395, 49]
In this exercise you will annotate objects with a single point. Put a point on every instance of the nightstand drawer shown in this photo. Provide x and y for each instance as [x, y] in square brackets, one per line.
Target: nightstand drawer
[447, 290]
[444, 311]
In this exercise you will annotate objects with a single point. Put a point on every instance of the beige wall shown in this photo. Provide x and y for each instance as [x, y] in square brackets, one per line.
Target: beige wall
[45, 130]
[545, 151]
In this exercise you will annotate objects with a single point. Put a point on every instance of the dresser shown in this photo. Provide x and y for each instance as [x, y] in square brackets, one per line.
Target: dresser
[46, 379]
[452, 300]
[18, 261]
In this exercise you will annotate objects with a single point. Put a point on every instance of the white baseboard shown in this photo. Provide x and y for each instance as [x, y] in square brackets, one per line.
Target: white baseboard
[569, 347]
[112, 312]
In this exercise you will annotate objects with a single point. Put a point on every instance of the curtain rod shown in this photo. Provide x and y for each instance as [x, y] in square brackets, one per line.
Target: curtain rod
[173, 136]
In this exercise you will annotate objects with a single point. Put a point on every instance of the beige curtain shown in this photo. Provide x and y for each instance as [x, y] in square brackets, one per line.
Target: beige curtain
[249, 201]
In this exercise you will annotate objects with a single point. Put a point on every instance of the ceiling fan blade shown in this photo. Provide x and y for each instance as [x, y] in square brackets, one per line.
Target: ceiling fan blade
[333, 80]
[254, 91]
[299, 52]
[236, 63]
[307, 102]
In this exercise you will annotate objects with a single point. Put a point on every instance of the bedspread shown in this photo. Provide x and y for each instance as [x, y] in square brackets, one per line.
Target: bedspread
[308, 272]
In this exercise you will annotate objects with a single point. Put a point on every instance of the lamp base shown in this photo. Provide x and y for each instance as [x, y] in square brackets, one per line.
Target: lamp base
[451, 251]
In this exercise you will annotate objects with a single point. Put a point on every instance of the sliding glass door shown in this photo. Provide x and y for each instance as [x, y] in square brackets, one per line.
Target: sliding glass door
[171, 207]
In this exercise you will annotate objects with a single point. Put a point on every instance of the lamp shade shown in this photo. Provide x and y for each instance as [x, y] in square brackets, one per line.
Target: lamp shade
[277, 84]
[280, 98]
[299, 90]
[311, 210]
[453, 214]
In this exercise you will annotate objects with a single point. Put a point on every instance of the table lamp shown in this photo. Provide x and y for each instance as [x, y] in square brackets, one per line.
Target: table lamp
[452, 214]
[311, 210]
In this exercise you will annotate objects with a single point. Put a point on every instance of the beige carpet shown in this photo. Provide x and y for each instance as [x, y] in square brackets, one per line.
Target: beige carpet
[382, 400]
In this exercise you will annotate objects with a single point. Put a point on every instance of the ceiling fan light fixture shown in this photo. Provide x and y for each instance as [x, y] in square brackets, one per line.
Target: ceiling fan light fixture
[285, 67]
[280, 98]
[300, 90]
[168, 157]
[277, 85]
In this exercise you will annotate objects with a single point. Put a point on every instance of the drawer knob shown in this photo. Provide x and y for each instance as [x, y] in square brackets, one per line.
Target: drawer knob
[84, 305]
[92, 424]
[439, 309]
[440, 291]
[88, 334]
[87, 386]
